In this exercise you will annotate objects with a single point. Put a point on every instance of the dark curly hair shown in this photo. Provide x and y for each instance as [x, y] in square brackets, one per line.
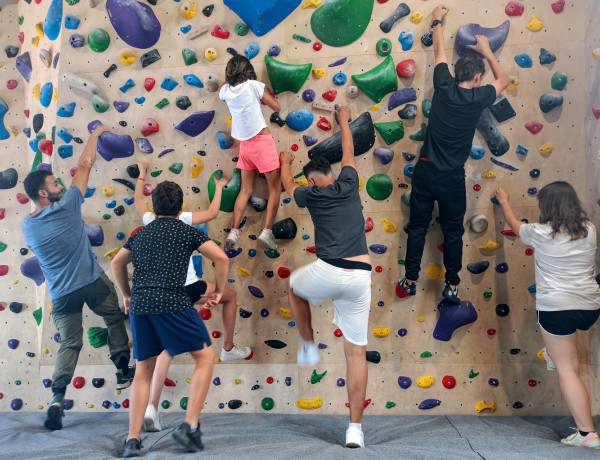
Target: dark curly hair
[317, 165]
[167, 199]
[239, 69]
[467, 67]
[561, 209]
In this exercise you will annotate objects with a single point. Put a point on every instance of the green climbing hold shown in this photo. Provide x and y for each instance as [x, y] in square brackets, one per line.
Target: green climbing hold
[106, 216]
[315, 378]
[97, 336]
[230, 192]
[340, 22]
[99, 104]
[426, 107]
[419, 135]
[21, 18]
[217, 242]
[473, 374]
[379, 186]
[189, 56]
[390, 131]
[64, 189]
[2, 246]
[156, 173]
[72, 2]
[286, 77]
[165, 404]
[98, 40]
[405, 198]
[37, 315]
[37, 160]
[426, 354]
[383, 47]
[183, 403]
[378, 81]
[163, 102]
[400, 261]
[17, 382]
[176, 168]
[559, 81]
[267, 403]
[241, 29]
[487, 294]
[272, 253]
[390, 404]
[301, 38]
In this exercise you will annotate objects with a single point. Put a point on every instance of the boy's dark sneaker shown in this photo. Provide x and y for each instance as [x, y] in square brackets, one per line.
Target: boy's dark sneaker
[54, 416]
[191, 440]
[451, 294]
[411, 289]
[124, 380]
[132, 448]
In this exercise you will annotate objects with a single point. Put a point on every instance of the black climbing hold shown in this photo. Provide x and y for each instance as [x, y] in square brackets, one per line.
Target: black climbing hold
[11, 51]
[535, 173]
[234, 404]
[183, 102]
[202, 153]
[207, 10]
[195, 190]
[110, 70]
[478, 267]
[15, 307]
[427, 38]
[98, 382]
[242, 222]
[24, 251]
[255, 387]
[235, 159]
[53, 134]
[259, 204]
[149, 58]
[502, 110]
[387, 24]
[276, 118]
[502, 310]
[78, 140]
[152, 2]
[518, 405]
[496, 142]
[548, 101]
[245, 313]
[123, 123]
[363, 135]
[408, 156]
[525, 221]
[38, 122]
[285, 229]
[119, 210]
[232, 51]
[126, 183]
[133, 171]
[269, 274]
[515, 351]
[275, 344]
[8, 178]
[408, 112]
[598, 279]
[373, 357]
[30, 354]
[546, 57]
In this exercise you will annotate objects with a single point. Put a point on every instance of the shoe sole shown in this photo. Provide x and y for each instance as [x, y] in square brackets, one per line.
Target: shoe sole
[268, 243]
[569, 443]
[124, 386]
[149, 426]
[353, 445]
[53, 420]
[186, 442]
[226, 360]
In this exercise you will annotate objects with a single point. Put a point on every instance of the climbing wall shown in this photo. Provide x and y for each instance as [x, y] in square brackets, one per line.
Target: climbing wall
[493, 359]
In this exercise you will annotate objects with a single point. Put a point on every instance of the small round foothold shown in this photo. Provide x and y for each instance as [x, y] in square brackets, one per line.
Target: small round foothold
[338, 333]
[515, 351]
[205, 314]
[402, 332]
[534, 173]
[383, 47]
[264, 313]
[449, 382]
[477, 187]
[317, 46]
[532, 383]
[502, 310]
[269, 380]
[379, 269]
[216, 334]
[491, 332]
[295, 147]
[528, 251]
[518, 405]
[352, 92]
[341, 382]
[340, 78]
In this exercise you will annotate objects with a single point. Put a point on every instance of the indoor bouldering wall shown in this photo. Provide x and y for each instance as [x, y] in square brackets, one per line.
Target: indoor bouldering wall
[160, 64]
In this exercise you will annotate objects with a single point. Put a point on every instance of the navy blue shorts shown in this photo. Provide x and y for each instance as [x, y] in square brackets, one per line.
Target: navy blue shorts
[177, 333]
[567, 322]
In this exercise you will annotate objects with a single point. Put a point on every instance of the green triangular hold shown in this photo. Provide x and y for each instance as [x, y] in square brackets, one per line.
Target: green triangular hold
[379, 187]
[176, 168]
[390, 404]
[230, 192]
[314, 378]
[341, 22]
[390, 131]
[37, 314]
[286, 77]
[419, 135]
[473, 374]
[378, 81]
[156, 173]
[2, 246]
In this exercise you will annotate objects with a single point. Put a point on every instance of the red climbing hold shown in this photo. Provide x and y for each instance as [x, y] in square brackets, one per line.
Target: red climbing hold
[324, 124]
[368, 225]
[329, 96]
[250, 356]
[400, 292]
[382, 1]
[596, 112]
[406, 68]
[21, 37]
[312, 249]
[558, 7]
[205, 314]
[317, 46]
[26, 112]
[514, 9]
[508, 233]
[45, 146]
[477, 187]
[216, 334]
[491, 332]
[73, 171]
[367, 402]
[440, 247]
[379, 269]
[149, 126]
[12, 84]
[136, 230]
[149, 83]
[22, 198]
[337, 332]
[449, 382]
[3, 270]
[2, 213]
[78, 382]
[295, 147]
[534, 127]
[532, 383]
[125, 403]
[529, 251]
[219, 32]
[169, 383]
[269, 380]
[147, 190]
[284, 272]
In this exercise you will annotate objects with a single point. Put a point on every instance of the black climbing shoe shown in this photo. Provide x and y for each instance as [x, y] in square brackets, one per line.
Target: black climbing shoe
[451, 294]
[192, 441]
[125, 380]
[54, 416]
[132, 448]
[411, 289]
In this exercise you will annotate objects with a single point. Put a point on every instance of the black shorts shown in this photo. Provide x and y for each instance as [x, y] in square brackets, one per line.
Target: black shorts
[196, 290]
[567, 322]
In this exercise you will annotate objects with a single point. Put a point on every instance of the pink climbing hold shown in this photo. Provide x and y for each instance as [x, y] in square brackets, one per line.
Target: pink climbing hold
[12, 84]
[149, 126]
[22, 198]
[596, 112]
[3, 270]
[406, 68]
[514, 9]
[21, 37]
[534, 127]
[73, 171]
[45, 146]
[219, 32]
[558, 6]
[2, 213]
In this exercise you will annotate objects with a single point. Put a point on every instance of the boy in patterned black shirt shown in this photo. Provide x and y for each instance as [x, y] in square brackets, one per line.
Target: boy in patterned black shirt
[162, 314]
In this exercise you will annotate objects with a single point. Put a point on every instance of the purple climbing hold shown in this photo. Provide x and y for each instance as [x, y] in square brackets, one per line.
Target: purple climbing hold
[57, 337]
[309, 140]
[144, 145]
[502, 267]
[256, 292]
[274, 50]
[338, 62]
[31, 269]
[121, 106]
[95, 234]
[322, 346]
[231, 253]
[196, 123]
[165, 151]
[384, 155]
[262, 16]
[288, 381]
[402, 332]
[77, 40]
[216, 381]
[404, 382]
[13, 343]
[111, 145]
[308, 95]
[341, 382]
[532, 190]
[264, 313]
[16, 404]
[23, 64]
[466, 36]
[47, 383]
[378, 248]
[402, 96]
[45, 166]
[68, 404]
[135, 22]
[503, 165]
[452, 317]
[493, 382]
[55, 60]
[429, 404]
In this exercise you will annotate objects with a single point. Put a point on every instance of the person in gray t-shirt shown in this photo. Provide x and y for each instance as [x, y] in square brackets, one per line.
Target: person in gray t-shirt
[342, 271]
[55, 232]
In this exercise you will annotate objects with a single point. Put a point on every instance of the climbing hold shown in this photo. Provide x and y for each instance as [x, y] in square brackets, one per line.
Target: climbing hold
[452, 317]
[496, 142]
[309, 403]
[384, 155]
[406, 40]
[558, 6]
[517, 405]
[408, 112]
[176, 168]
[473, 374]
[9, 177]
[426, 381]
[401, 11]
[384, 47]
[373, 357]
[381, 331]
[66, 110]
[434, 271]
[149, 126]
[515, 351]
[149, 57]
[388, 226]
[535, 24]
[98, 40]
[380, 187]
[427, 38]
[327, 27]
[478, 267]
[466, 36]
[546, 57]
[402, 96]
[193, 80]
[502, 110]
[71, 22]
[135, 22]
[502, 267]
[406, 69]
[13, 344]
[196, 123]
[549, 101]
[379, 81]
[478, 223]
[300, 119]
[169, 83]
[546, 149]
[523, 60]
[514, 9]
[429, 404]
[285, 229]
[31, 269]
[16, 404]
[286, 77]
[315, 378]
[477, 152]
[404, 382]
[490, 245]
[324, 124]
[481, 405]
[390, 131]
[267, 404]
[534, 127]
[416, 17]
[419, 135]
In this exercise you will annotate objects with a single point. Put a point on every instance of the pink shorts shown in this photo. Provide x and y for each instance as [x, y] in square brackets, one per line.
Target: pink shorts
[259, 153]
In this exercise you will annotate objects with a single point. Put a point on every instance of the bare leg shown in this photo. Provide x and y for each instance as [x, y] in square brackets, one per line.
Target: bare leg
[158, 377]
[243, 197]
[563, 351]
[356, 379]
[228, 299]
[274, 182]
[302, 314]
[140, 391]
[205, 361]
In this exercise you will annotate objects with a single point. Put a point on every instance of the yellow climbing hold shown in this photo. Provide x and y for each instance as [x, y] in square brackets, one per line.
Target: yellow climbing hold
[381, 331]
[1, 64]
[360, 183]
[196, 166]
[421, 319]
[237, 381]
[488, 174]
[375, 107]
[55, 94]
[188, 9]
[35, 41]
[15, 282]
[540, 354]
[127, 56]
[416, 17]
[36, 91]
[117, 392]
[45, 351]
[309, 403]
[313, 3]
[426, 381]
[229, 122]
[12, 130]
[535, 24]
[188, 380]
[481, 405]
[39, 30]
[242, 271]
[318, 73]
[108, 190]
[388, 226]
[286, 313]
[302, 182]
[595, 53]
[546, 149]
[110, 254]
[51, 307]
[434, 271]
[90, 406]
[39, 406]
[490, 245]
[210, 54]
[514, 82]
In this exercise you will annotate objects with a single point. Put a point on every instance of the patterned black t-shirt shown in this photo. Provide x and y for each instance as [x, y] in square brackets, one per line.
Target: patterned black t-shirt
[160, 253]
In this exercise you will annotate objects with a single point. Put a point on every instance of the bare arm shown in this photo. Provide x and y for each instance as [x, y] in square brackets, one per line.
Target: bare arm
[199, 217]
[221, 261]
[482, 46]
[509, 215]
[271, 101]
[287, 178]
[439, 52]
[86, 160]
[140, 205]
[343, 116]
[119, 268]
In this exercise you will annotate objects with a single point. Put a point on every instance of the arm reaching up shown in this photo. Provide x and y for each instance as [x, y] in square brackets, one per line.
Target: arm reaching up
[343, 116]
[287, 178]
[87, 159]
[438, 34]
[199, 217]
[507, 210]
[482, 46]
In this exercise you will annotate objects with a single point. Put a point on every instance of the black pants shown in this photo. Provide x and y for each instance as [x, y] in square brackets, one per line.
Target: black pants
[448, 189]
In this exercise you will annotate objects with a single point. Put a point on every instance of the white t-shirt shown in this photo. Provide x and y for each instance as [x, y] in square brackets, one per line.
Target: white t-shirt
[186, 218]
[243, 100]
[564, 269]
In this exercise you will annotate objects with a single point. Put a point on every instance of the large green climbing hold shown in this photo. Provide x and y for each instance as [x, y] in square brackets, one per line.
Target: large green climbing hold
[183, 403]
[419, 135]
[97, 336]
[559, 81]
[390, 131]
[390, 404]
[380, 186]
[340, 22]
[426, 107]
[315, 378]
[272, 253]
[98, 40]
[378, 81]
[99, 104]
[37, 315]
[176, 168]
[286, 77]
[189, 56]
[2, 246]
[230, 192]
[267, 403]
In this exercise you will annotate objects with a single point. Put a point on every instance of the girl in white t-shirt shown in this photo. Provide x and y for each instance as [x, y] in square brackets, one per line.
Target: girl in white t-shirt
[567, 295]
[243, 94]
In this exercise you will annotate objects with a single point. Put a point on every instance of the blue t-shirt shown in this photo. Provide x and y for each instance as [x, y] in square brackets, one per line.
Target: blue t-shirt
[58, 238]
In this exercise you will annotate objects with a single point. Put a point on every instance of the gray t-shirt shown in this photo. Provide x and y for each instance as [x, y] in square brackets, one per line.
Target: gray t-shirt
[337, 216]
[59, 241]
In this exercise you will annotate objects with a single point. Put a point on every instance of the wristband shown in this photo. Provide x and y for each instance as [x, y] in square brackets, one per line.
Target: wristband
[141, 178]
[435, 23]
[289, 164]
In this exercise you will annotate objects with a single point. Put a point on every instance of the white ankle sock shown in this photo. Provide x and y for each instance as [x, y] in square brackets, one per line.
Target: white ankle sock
[307, 345]
[193, 428]
[357, 425]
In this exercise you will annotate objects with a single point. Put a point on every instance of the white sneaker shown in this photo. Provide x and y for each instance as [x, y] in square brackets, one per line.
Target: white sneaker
[152, 419]
[355, 437]
[232, 240]
[267, 239]
[309, 355]
[235, 353]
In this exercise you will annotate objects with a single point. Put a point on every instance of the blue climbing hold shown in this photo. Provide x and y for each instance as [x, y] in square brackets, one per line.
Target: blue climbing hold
[402, 96]
[532, 191]
[522, 150]
[452, 317]
[466, 36]
[193, 80]
[16, 404]
[53, 20]
[225, 140]
[495, 201]
[384, 155]
[196, 123]
[23, 63]
[262, 16]
[4, 134]
[340, 78]
[404, 382]
[292, 323]
[288, 381]
[169, 83]
[89, 191]
[402, 332]
[231, 253]
[406, 39]
[256, 292]
[66, 110]
[502, 267]
[532, 289]
[120, 235]
[409, 170]
[111, 204]
[94, 233]
[64, 134]
[341, 382]
[46, 94]
[33, 143]
[252, 50]
[13, 343]
[264, 313]
[216, 381]
[523, 60]
[65, 151]
[477, 152]
[128, 84]
[144, 145]
[185, 29]
[47, 383]
[429, 404]
[287, 200]
[378, 248]
[140, 100]
[71, 22]
[129, 201]
[338, 62]
[299, 120]
[252, 252]
[504, 165]
[493, 382]
[322, 346]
